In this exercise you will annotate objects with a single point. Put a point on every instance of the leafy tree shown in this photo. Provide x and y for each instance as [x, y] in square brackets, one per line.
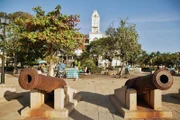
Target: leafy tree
[154, 59]
[105, 46]
[110, 44]
[142, 58]
[126, 41]
[88, 61]
[122, 42]
[95, 47]
[13, 46]
[132, 58]
[2, 14]
[56, 30]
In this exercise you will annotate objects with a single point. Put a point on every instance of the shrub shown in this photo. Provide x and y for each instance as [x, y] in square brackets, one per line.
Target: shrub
[91, 65]
[148, 69]
[9, 68]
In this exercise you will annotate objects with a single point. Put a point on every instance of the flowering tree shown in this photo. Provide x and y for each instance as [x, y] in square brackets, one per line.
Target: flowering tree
[55, 30]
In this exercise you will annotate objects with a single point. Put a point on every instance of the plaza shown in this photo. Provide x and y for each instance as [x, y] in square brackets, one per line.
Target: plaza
[89, 60]
[94, 104]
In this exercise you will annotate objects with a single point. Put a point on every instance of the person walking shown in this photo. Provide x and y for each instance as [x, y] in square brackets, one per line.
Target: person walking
[127, 70]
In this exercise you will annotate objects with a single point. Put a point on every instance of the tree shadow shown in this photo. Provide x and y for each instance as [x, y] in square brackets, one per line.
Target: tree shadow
[76, 115]
[171, 98]
[97, 99]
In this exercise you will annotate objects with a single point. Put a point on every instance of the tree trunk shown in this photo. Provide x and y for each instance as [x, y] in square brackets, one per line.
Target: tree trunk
[121, 71]
[15, 71]
[22, 64]
[110, 62]
[51, 70]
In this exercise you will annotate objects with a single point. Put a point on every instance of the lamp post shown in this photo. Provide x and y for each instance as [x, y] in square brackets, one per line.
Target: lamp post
[4, 21]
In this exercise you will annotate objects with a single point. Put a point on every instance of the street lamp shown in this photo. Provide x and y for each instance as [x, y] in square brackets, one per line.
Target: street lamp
[3, 21]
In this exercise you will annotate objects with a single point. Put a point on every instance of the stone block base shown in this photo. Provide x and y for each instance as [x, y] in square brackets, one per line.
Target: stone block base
[146, 105]
[127, 97]
[59, 111]
[141, 112]
[176, 95]
[50, 113]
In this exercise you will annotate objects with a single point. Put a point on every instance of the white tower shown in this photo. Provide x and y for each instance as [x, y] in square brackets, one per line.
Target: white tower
[95, 22]
[95, 32]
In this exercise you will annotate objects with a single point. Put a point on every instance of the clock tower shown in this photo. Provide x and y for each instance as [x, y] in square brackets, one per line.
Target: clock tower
[95, 22]
[95, 27]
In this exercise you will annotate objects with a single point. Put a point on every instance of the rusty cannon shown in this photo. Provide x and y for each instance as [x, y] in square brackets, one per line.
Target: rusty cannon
[160, 79]
[30, 79]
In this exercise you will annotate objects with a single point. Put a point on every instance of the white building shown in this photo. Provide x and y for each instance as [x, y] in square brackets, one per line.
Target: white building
[96, 34]
[95, 30]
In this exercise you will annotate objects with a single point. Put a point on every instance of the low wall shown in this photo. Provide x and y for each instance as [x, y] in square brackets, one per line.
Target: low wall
[138, 70]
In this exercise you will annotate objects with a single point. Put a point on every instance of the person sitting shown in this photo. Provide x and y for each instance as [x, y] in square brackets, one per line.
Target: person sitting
[61, 70]
[42, 67]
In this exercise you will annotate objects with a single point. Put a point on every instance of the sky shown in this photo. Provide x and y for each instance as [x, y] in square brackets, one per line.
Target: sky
[157, 21]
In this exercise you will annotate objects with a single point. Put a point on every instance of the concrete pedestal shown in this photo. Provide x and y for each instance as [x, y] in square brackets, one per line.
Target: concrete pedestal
[125, 100]
[176, 95]
[127, 97]
[65, 99]
[131, 99]
[36, 99]
[154, 99]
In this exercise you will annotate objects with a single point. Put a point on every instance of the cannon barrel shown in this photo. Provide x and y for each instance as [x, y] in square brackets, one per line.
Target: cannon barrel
[30, 79]
[160, 79]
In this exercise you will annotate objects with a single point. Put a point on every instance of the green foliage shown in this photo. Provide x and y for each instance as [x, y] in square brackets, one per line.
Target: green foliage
[19, 15]
[148, 69]
[53, 32]
[91, 65]
[127, 40]
[56, 30]
[157, 58]
[104, 47]
[55, 59]
[88, 61]
[122, 42]
[13, 46]
[2, 14]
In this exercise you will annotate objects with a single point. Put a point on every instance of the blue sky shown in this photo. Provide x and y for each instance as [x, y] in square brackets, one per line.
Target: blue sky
[157, 21]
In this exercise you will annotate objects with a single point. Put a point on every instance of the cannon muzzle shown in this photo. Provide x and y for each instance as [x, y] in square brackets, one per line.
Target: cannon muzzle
[30, 79]
[160, 79]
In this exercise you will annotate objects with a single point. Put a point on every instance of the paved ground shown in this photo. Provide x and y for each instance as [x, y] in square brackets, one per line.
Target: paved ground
[95, 104]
